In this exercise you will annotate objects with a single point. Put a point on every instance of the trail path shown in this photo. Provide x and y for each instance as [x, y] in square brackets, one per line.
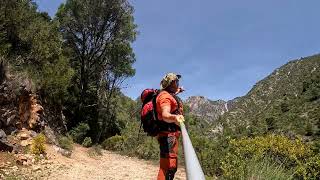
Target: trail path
[109, 166]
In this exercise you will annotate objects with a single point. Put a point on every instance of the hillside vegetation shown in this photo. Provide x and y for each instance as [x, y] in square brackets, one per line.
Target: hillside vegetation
[270, 133]
[287, 101]
[74, 62]
[66, 72]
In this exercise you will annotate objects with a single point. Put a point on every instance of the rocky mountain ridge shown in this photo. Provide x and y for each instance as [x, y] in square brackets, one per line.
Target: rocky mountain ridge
[203, 107]
[286, 100]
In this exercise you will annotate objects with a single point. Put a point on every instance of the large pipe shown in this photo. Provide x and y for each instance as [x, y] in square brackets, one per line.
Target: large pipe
[193, 168]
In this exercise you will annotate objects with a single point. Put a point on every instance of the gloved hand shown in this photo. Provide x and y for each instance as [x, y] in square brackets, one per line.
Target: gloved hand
[180, 118]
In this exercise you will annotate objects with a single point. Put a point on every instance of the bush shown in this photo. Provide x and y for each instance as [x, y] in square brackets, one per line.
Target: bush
[79, 133]
[149, 149]
[114, 143]
[310, 169]
[66, 143]
[87, 142]
[265, 169]
[95, 150]
[38, 144]
[293, 155]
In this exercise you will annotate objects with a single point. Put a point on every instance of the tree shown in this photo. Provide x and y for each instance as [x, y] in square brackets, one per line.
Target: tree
[31, 42]
[98, 36]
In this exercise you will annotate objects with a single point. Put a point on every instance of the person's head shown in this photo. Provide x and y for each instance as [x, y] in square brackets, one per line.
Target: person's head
[170, 82]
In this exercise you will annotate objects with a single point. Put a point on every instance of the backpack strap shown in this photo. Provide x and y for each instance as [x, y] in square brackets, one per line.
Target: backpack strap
[178, 102]
[154, 103]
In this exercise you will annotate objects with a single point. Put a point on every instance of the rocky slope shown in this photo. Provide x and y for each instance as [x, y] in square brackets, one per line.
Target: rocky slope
[288, 100]
[208, 109]
[21, 111]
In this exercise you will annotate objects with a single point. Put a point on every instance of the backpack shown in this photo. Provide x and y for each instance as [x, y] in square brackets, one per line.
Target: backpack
[149, 117]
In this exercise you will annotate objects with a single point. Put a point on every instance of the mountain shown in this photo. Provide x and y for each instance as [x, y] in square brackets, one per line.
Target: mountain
[206, 108]
[286, 101]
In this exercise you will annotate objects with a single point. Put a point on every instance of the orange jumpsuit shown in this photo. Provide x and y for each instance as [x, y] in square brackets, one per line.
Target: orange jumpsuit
[168, 137]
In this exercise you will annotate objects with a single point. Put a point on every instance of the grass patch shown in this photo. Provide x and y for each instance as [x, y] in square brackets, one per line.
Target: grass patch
[66, 142]
[95, 151]
[266, 169]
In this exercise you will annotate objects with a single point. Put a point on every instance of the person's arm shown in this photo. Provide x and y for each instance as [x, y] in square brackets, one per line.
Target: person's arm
[171, 118]
[167, 116]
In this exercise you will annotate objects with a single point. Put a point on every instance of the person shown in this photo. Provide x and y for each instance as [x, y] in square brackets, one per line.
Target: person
[169, 110]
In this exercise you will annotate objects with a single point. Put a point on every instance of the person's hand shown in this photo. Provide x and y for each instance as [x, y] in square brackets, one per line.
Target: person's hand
[179, 119]
[180, 90]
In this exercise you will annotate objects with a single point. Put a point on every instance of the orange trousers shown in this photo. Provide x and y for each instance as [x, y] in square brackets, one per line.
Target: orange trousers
[168, 143]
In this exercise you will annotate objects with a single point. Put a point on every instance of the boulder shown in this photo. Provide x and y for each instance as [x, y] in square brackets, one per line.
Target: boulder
[24, 134]
[22, 160]
[2, 134]
[5, 146]
[51, 137]
[62, 151]
[12, 120]
[25, 143]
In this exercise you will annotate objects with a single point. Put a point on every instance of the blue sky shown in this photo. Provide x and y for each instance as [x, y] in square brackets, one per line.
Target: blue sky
[221, 48]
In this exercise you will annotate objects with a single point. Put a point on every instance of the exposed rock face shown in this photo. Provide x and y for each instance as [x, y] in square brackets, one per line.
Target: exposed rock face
[20, 111]
[29, 111]
[2, 134]
[5, 146]
[19, 107]
[51, 137]
[206, 108]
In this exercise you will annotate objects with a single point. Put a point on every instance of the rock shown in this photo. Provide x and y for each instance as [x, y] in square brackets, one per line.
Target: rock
[2, 165]
[11, 120]
[25, 143]
[5, 146]
[2, 134]
[24, 136]
[51, 137]
[25, 163]
[36, 168]
[33, 134]
[22, 160]
[64, 152]
[15, 168]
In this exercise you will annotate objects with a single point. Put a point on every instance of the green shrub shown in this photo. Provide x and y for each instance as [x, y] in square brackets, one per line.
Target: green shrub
[114, 143]
[79, 132]
[149, 149]
[310, 169]
[66, 142]
[290, 154]
[38, 144]
[95, 150]
[87, 142]
[266, 169]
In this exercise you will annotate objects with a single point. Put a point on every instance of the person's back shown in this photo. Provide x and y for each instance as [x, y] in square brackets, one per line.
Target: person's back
[169, 111]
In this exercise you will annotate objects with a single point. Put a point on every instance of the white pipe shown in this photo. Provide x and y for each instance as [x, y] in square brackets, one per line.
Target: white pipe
[193, 168]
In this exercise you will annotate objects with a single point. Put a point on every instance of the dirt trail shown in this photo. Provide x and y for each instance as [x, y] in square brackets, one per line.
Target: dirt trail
[110, 166]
